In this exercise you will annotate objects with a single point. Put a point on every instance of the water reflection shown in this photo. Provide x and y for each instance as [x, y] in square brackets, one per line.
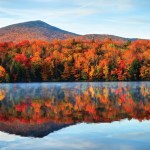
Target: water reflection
[39, 109]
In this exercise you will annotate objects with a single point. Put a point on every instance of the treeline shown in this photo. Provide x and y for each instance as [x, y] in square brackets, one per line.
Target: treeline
[75, 60]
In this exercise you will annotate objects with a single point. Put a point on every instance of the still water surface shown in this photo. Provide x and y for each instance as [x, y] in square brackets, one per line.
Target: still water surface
[78, 116]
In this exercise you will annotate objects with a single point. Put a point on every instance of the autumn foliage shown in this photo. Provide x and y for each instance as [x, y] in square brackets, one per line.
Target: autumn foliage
[75, 60]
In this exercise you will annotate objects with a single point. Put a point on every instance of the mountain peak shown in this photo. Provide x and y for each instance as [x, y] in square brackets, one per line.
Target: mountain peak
[35, 23]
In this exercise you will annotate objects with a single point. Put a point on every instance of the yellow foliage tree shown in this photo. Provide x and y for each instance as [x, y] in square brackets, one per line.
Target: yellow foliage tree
[2, 73]
[145, 72]
[106, 72]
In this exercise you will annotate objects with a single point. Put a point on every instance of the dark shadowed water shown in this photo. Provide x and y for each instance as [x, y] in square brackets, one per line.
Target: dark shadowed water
[75, 116]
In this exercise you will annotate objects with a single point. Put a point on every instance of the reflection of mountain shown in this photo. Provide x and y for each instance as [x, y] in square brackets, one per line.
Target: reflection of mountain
[29, 130]
[39, 109]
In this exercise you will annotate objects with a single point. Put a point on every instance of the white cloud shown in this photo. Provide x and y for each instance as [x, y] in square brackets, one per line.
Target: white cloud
[26, 13]
[109, 4]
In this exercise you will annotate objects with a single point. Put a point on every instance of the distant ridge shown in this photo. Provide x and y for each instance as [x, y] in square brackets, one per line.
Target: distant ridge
[104, 36]
[39, 30]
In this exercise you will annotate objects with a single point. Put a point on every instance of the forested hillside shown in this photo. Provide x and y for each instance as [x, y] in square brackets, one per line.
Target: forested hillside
[75, 60]
[33, 30]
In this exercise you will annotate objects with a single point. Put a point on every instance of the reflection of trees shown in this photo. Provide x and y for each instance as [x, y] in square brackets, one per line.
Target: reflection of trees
[77, 103]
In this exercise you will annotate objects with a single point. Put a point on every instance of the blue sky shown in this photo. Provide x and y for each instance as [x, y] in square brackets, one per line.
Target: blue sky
[127, 18]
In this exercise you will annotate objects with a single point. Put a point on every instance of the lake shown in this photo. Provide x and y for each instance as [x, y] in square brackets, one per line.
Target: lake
[75, 116]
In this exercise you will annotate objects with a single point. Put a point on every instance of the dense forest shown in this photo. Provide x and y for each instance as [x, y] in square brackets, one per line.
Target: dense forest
[75, 60]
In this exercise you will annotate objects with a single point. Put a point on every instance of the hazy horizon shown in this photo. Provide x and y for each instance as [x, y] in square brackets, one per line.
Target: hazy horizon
[125, 18]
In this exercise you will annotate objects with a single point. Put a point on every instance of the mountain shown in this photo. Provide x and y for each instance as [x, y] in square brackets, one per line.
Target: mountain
[39, 30]
[32, 30]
